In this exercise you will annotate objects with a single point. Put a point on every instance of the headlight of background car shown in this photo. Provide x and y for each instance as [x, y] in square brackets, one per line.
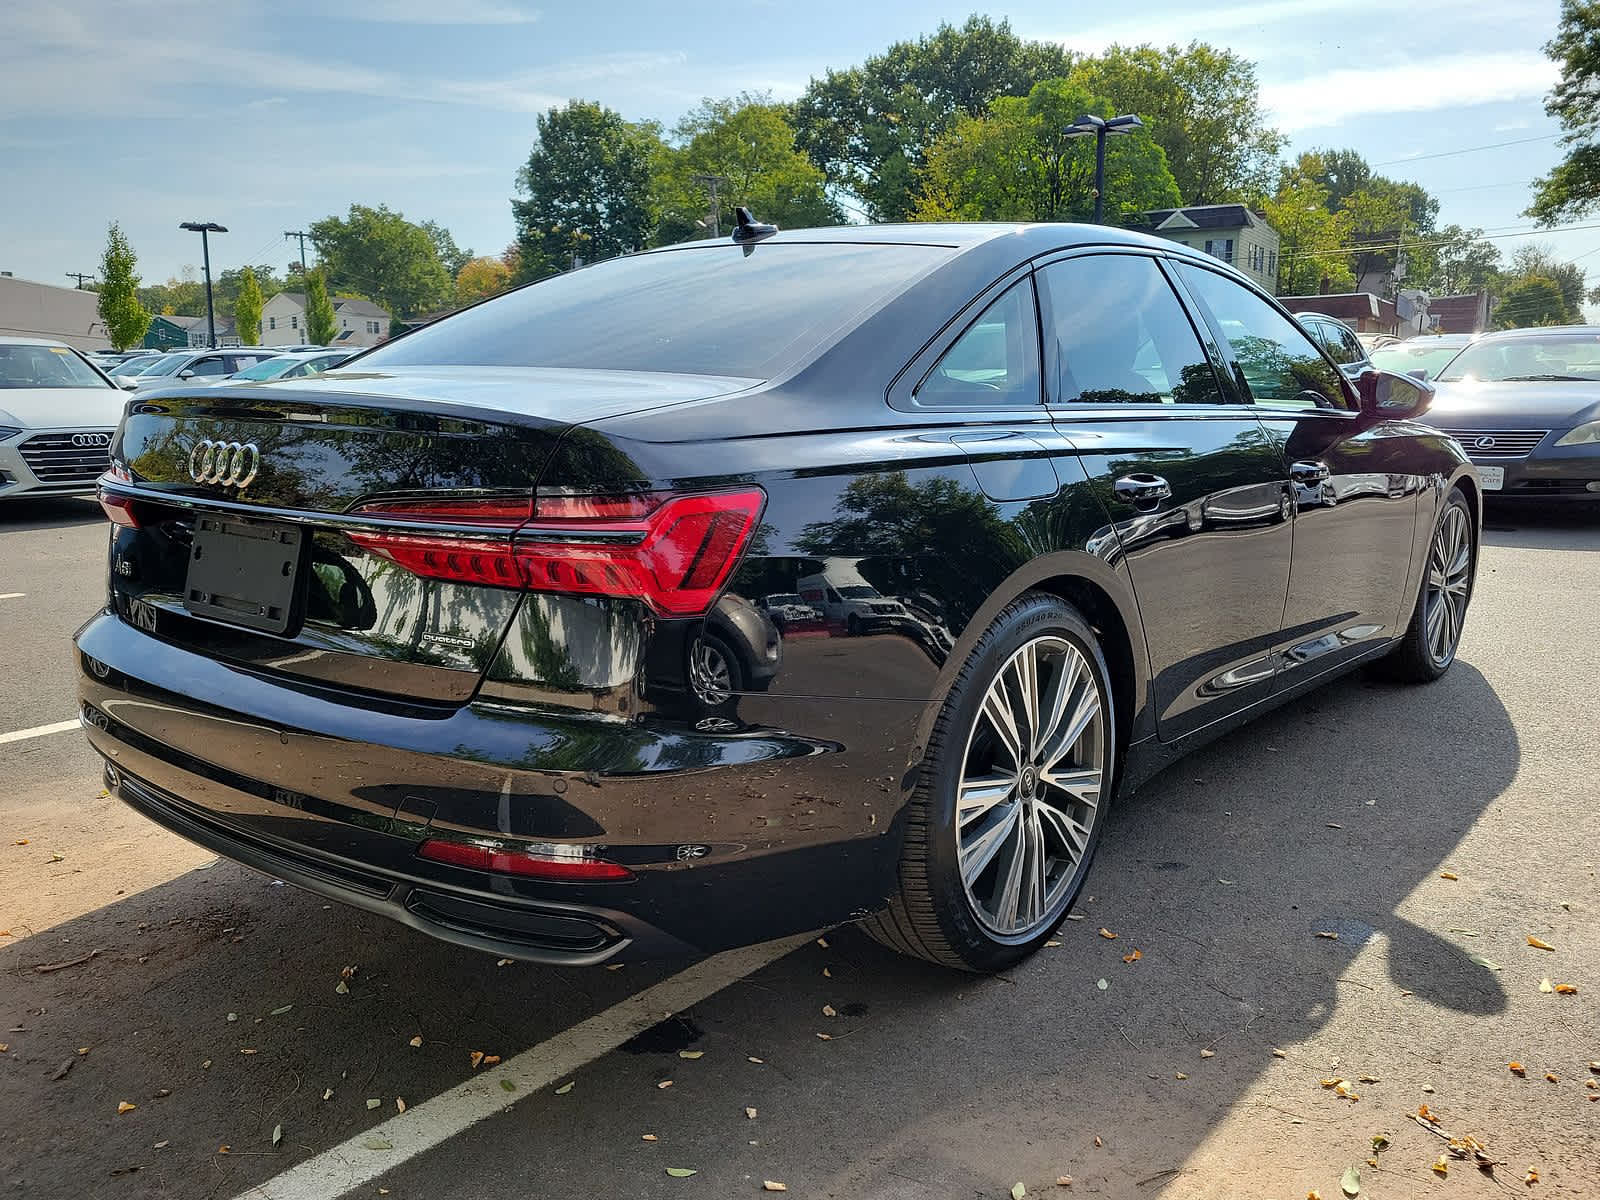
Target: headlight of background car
[8, 431]
[1583, 435]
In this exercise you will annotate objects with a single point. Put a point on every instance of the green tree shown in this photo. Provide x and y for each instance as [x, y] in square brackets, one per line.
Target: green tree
[1534, 260]
[1017, 164]
[1572, 188]
[480, 278]
[1532, 301]
[247, 308]
[377, 253]
[869, 128]
[125, 319]
[747, 144]
[322, 324]
[1311, 238]
[586, 189]
[1202, 106]
[451, 256]
[1464, 262]
[183, 297]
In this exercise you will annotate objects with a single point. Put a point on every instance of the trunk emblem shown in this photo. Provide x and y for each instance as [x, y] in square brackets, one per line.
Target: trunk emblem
[227, 463]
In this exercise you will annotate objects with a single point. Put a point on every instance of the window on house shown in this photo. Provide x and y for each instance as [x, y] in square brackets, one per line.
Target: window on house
[1272, 264]
[294, 322]
[272, 322]
[1220, 248]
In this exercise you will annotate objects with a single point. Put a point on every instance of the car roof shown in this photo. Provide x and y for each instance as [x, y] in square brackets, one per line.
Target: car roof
[8, 340]
[1036, 238]
[1539, 331]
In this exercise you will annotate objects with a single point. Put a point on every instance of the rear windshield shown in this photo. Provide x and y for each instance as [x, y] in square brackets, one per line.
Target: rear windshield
[715, 310]
[45, 367]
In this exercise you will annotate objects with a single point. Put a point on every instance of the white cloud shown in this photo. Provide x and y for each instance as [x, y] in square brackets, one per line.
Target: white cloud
[1206, 23]
[437, 12]
[1513, 126]
[1452, 82]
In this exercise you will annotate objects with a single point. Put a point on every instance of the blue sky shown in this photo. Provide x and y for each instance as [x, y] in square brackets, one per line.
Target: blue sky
[267, 117]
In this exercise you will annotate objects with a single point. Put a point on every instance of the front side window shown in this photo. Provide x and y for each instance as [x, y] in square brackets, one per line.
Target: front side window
[995, 362]
[1118, 335]
[1275, 358]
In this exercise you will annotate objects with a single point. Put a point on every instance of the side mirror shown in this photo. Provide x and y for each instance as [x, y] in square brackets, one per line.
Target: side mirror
[186, 373]
[1419, 373]
[125, 383]
[1386, 396]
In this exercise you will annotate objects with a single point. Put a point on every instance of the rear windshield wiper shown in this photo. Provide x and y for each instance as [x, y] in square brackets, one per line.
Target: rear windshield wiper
[1550, 379]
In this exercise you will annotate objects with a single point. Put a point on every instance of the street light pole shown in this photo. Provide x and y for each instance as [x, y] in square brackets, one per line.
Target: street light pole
[1100, 128]
[205, 229]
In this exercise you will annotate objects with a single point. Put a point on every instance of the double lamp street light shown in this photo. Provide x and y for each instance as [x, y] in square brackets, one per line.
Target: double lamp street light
[205, 229]
[1101, 128]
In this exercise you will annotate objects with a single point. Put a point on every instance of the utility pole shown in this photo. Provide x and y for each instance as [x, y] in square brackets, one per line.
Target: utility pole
[711, 183]
[302, 235]
[1099, 128]
[80, 276]
[205, 229]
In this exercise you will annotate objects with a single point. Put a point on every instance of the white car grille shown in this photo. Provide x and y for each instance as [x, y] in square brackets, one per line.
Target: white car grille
[54, 458]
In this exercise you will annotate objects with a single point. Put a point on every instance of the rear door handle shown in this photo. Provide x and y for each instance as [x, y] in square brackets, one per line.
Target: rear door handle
[1308, 472]
[1143, 490]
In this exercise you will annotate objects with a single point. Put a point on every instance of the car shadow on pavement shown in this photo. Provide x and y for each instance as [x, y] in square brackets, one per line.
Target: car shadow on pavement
[1224, 872]
[44, 512]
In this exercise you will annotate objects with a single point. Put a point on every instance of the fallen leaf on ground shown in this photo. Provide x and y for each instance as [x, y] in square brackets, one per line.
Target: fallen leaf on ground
[681, 1172]
[750, 1113]
[827, 974]
[125, 1107]
[1380, 1142]
[1133, 958]
[1276, 1053]
[477, 1059]
[161, 1145]
[1546, 986]
[373, 1103]
[400, 1104]
[648, 1137]
[1367, 1079]
[507, 1086]
[1551, 1077]
[1329, 934]
[378, 1143]
[347, 972]
[224, 1148]
[1566, 989]
[1538, 944]
[342, 988]
[1050, 945]
[754, 1059]
[1075, 917]
[1344, 1092]
[772, 1185]
[233, 1017]
[1333, 825]
[1208, 1054]
[825, 1037]
[1313, 1194]
[327, 1094]
[248, 1052]
[504, 962]
[1427, 1114]
[1106, 933]
[1532, 1177]
[1018, 1191]
[823, 942]
[665, 1083]
[416, 1041]
[1441, 1167]
[1350, 1184]
[1333, 1082]
[277, 1134]
[1516, 1068]
[1483, 962]
[490, 1060]
[1179, 1075]
[278, 1012]
[1101, 984]
[205, 1065]
[1097, 1140]
[57, 857]
[1063, 1180]
[565, 1087]
[1448, 875]
[829, 1011]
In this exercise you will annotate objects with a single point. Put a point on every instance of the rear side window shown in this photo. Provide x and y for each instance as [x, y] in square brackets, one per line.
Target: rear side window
[1118, 335]
[715, 310]
[995, 362]
[208, 366]
[1277, 360]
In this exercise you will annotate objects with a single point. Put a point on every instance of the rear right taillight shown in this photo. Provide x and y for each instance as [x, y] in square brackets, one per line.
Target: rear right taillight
[672, 552]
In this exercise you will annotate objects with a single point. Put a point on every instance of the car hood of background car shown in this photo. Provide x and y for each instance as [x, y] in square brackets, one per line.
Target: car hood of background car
[562, 394]
[1473, 404]
[62, 408]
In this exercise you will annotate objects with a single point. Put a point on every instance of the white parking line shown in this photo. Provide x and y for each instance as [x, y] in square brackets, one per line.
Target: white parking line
[23, 735]
[335, 1172]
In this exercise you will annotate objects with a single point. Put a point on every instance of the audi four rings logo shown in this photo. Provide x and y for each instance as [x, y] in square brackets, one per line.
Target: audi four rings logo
[91, 441]
[227, 463]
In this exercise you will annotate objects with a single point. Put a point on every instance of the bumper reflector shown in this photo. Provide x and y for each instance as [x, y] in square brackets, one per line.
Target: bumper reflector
[567, 864]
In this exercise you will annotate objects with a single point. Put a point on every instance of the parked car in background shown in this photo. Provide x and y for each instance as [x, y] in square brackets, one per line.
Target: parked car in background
[1525, 405]
[787, 608]
[397, 634]
[200, 367]
[843, 597]
[1422, 357]
[57, 415]
[130, 367]
[289, 366]
[1339, 340]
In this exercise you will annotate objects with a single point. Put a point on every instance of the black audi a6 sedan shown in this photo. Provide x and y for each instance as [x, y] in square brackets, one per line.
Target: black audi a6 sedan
[427, 634]
[1525, 405]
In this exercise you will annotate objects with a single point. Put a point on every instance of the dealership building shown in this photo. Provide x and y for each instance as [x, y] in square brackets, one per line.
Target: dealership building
[43, 310]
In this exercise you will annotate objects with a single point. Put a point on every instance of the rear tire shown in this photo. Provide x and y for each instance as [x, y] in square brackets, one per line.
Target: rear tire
[1007, 814]
[1428, 647]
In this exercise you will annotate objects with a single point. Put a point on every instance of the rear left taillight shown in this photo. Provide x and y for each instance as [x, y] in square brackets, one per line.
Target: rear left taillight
[559, 864]
[672, 552]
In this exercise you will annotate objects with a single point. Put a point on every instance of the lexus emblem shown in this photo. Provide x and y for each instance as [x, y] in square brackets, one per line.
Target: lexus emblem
[91, 441]
[1484, 443]
[227, 463]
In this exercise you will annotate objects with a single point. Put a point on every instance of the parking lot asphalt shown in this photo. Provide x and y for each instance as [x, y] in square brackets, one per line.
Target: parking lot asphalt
[1433, 830]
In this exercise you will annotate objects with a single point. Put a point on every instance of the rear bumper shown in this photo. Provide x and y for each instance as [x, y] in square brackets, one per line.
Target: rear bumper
[732, 838]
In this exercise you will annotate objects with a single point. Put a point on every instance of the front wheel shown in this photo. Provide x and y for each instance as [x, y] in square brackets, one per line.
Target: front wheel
[1431, 640]
[1005, 820]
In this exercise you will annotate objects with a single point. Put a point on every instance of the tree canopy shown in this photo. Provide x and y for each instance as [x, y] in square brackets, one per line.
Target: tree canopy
[247, 308]
[585, 191]
[480, 278]
[322, 323]
[377, 253]
[125, 319]
[1016, 163]
[1533, 301]
[1572, 188]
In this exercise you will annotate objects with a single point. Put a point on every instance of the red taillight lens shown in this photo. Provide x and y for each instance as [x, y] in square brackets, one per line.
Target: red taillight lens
[673, 553]
[576, 866]
[120, 509]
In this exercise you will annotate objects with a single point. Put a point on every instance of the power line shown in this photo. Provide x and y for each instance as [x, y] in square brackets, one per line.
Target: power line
[302, 235]
[80, 276]
[1381, 248]
[1395, 162]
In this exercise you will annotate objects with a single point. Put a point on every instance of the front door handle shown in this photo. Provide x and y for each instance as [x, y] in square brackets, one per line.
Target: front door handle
[1308, 472]
[1143, 490]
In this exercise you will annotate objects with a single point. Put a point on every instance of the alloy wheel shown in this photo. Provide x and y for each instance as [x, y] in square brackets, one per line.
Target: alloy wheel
[1030, 786]
[1449, 580]
[709, 673]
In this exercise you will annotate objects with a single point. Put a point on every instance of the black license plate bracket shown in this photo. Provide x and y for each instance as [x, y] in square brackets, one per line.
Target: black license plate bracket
[244, 572]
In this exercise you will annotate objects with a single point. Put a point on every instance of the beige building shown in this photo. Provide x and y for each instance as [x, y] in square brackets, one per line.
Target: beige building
[1230, 232]
[43, 310]
[360, 322]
